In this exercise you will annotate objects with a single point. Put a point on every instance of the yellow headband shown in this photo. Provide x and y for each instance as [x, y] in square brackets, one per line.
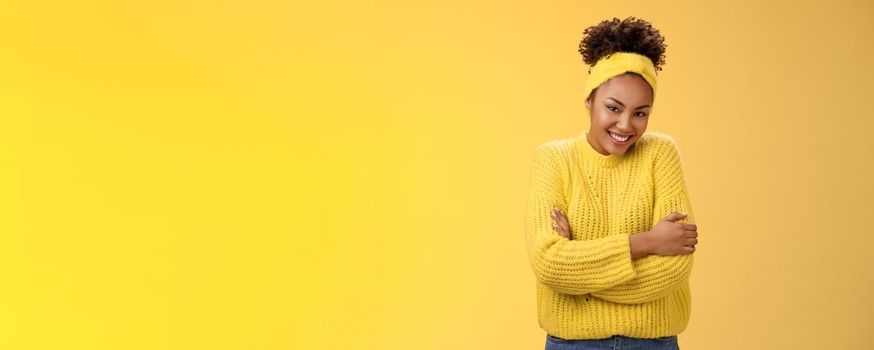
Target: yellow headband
[619, 63]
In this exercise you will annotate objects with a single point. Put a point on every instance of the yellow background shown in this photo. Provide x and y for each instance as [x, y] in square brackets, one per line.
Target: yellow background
[315, 175]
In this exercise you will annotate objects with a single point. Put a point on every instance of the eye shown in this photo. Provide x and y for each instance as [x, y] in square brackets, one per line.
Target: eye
[612, 109]
[641, 114]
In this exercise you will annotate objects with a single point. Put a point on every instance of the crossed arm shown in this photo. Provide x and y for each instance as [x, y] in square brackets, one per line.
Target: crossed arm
[656, 275]
[604, 267]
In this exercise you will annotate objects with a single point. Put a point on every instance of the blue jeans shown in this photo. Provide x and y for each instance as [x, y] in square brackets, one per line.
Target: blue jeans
[616, 342]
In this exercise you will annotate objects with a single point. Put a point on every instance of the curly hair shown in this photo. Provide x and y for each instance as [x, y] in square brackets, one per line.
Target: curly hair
[627, 35]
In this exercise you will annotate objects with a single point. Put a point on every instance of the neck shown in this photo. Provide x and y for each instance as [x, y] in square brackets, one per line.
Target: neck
[587, 148]
[595, 145]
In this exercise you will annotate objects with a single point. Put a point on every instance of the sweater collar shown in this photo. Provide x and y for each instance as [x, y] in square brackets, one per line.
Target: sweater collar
[592, 156]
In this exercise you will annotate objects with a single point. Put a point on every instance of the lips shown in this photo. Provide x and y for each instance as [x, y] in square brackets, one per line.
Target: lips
[615, 141]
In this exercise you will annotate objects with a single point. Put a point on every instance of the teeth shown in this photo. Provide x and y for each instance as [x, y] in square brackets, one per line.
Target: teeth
[620, 139]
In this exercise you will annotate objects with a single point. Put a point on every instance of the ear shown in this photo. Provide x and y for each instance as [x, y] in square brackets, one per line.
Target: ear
[589, 104]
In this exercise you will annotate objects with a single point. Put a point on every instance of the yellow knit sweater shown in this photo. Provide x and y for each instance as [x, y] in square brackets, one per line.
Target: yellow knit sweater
[588, 286]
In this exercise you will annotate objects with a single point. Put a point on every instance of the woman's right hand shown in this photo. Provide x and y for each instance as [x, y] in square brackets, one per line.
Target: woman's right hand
[672, 238]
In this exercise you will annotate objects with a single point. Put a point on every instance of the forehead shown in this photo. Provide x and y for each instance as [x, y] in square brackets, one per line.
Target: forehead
[628, 88]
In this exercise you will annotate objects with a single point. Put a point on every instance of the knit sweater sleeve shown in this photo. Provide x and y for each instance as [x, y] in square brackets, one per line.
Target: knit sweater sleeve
[658, 275]
[568, 266]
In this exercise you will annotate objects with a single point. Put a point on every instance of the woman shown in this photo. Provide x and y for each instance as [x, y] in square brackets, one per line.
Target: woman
[609, 226]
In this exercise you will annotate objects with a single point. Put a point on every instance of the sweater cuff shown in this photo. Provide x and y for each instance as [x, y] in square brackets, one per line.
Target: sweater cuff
[625, 269]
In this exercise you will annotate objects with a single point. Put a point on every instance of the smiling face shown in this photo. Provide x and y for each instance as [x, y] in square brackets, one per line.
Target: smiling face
[621, 107]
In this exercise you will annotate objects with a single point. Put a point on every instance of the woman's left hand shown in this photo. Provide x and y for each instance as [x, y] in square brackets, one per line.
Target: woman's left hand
[560, 225]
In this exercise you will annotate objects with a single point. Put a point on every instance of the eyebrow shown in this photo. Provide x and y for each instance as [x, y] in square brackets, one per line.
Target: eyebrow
[623, 105]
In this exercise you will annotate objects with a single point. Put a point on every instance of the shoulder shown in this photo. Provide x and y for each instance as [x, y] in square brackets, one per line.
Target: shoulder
[658, 139]
[666, 157]
[667, 164]
[553, 148]
[659, 144]
[553, 157]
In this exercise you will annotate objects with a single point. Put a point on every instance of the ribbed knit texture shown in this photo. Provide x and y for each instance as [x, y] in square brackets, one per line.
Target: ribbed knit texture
[588, 287]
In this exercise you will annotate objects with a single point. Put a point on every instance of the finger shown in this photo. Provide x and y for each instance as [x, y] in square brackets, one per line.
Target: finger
[555, 213]
[692, 234]
[558, 217]
[562, 221]
[690, 227]
[555, 210]
[557, 228]
[692, 241]
[675, 216]
[563, 227]
[560, 231]
[689, 250]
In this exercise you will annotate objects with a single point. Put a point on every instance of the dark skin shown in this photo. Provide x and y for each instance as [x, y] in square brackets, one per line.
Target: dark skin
[621, 106]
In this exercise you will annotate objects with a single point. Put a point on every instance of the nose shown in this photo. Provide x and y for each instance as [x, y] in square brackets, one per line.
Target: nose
[624, 124]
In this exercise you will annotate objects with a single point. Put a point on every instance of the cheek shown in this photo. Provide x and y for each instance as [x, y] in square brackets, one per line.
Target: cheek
[599, 118]
[641, 124]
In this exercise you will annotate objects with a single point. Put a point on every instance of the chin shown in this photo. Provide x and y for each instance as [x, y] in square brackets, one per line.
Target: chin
[618, 150]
